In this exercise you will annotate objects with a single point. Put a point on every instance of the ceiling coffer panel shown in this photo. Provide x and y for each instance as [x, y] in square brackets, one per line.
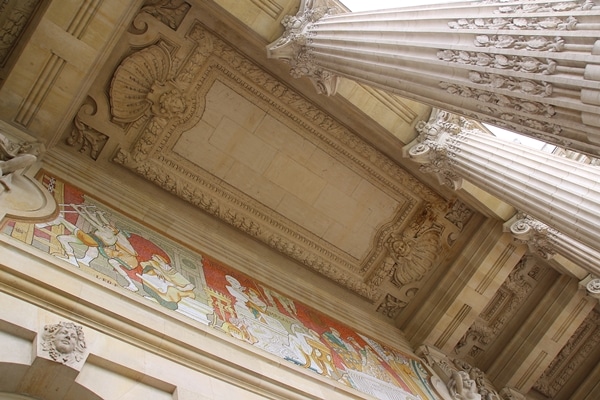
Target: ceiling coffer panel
[209, 125]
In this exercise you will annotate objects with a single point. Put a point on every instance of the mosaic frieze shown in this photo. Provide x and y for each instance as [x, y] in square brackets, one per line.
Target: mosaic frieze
[94, 238]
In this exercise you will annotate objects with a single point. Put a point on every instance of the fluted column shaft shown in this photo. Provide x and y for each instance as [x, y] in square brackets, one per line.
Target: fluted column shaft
[533, 67]
[547, 242]
[561, 193]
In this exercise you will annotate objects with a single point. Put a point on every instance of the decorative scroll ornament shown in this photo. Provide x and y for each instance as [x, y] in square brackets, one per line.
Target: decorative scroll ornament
[89, 140]
[391, 306]
[511, 394]
[291, 46]
[592, 286]
[459, 214]
[539, 237]
[64, 342]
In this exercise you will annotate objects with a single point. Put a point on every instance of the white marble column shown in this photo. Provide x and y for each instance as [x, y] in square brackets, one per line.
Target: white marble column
[533, 67]
[562, 194]
[547, 242]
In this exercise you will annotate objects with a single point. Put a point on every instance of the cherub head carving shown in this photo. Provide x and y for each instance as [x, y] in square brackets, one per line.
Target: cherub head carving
[64, 342]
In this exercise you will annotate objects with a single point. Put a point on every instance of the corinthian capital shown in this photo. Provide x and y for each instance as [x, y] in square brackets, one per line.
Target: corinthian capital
[539, 237]
[293, 47]
[437, 144]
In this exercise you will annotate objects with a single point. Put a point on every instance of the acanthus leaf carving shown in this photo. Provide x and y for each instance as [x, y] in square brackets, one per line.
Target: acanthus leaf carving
[291, 46]
[90, 140]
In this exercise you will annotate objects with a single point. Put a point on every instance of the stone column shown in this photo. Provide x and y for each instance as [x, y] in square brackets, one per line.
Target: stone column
[561, 193]
[531, 67]
[547, 242]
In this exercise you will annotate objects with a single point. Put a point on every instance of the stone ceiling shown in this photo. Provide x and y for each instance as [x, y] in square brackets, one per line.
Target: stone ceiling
[191, 110]
[200, 119]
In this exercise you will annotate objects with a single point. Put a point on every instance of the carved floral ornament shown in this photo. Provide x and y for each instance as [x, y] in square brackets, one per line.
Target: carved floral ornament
[517, 63]
[517, 23]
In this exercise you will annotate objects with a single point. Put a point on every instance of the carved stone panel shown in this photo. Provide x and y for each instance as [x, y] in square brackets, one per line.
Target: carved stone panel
[505, 303]
[580, 346]
[14, 17]
[204, 122]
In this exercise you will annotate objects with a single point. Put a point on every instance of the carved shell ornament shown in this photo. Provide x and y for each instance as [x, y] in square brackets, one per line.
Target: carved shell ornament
[141, 82]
